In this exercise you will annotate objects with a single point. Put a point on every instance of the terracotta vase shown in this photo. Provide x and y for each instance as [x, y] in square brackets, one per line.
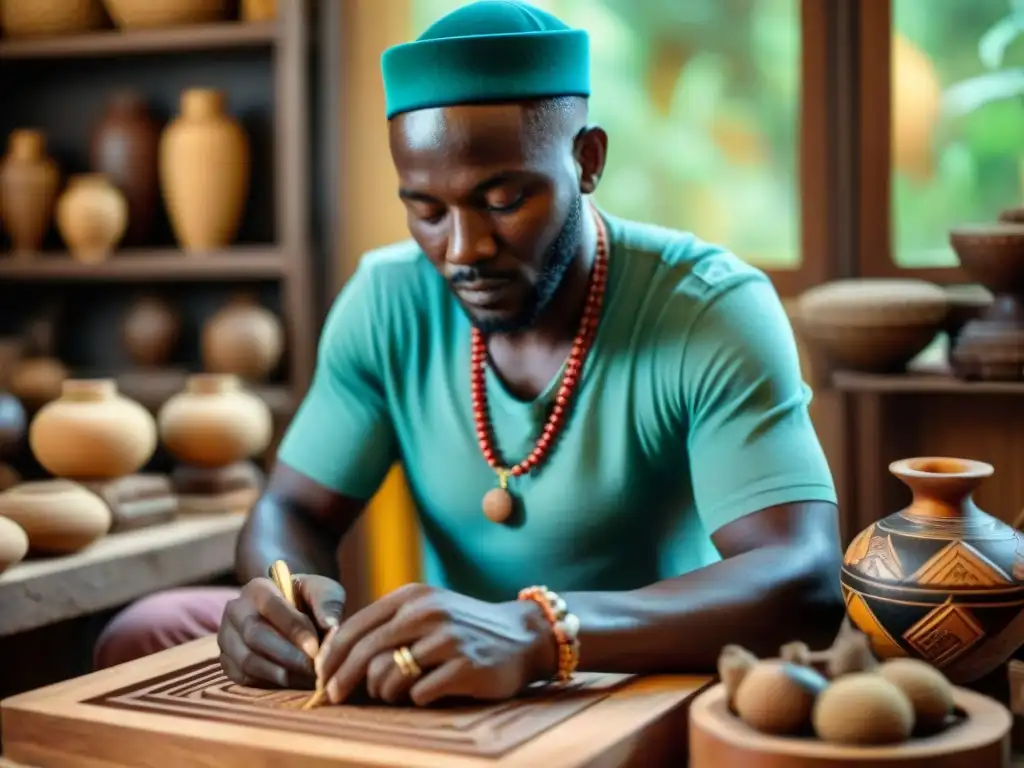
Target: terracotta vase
[150, 330]
[242, 338]
[91, 432]
[124, 147]
[940, 580]
[204, 172]
[92, 216]
[214, 422]
[13, 543]
[58, 516]
[28, 190]
[40, 18]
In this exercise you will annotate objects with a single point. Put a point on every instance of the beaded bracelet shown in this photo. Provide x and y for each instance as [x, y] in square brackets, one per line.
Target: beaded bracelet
[565, 625]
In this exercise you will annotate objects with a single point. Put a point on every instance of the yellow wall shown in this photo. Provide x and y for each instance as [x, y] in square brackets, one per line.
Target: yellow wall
[373, 216]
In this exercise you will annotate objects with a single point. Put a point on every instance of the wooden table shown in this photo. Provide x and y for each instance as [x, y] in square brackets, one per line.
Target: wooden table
[117, 570]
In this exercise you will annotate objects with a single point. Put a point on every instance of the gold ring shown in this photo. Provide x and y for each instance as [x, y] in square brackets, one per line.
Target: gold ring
[405, 661]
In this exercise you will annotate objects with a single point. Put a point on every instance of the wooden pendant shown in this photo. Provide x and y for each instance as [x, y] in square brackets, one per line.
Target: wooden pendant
[498, 502]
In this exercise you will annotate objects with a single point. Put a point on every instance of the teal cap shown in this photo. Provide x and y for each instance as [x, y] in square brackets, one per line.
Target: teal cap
[487, 51]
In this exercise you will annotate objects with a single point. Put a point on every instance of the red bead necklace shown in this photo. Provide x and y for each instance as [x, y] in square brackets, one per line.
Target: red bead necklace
[498, 503]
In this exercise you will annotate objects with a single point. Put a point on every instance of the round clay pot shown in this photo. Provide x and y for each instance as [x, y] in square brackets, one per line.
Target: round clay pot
[940, 580]
[37, 380]
[149, 14]
[92, 432]
[204, 172]
[42, 18]
[259, 10]
[124, 147]
[59, 516]
[876, 325]
[28, 190]
[151, 329]
[92, 216]
[242, 338]
[13, 543]
[12, 423]
[214, 422]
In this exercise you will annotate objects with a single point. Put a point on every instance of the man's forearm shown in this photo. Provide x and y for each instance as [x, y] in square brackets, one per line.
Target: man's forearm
[274, 531]
[760, 599]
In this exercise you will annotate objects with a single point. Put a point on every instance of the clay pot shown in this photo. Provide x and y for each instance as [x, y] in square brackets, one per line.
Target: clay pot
[28, 189]
[148, 14]
[58, 516]
[214, 422]
[124, 147]
[243, 338]
[259, 10]
[940, 580]
[876, 325]
[37, 380]
[92, 433]
[40, 18]
[204, 172]
[13, 543]
[12, 423]
[151, 330]
[92, 216]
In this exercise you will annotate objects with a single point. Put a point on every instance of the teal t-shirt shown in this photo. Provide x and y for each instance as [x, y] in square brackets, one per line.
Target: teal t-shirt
[691, 413]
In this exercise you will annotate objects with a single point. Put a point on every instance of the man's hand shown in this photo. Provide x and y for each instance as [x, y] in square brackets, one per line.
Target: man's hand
[464, 647]
[265, 642]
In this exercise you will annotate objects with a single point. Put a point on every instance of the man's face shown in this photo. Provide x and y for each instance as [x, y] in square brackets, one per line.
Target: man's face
[496, 207]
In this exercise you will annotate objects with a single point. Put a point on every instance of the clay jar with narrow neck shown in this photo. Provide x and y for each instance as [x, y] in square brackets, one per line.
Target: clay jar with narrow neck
[204, 159]
[124, 147]
[214, 422]
[940, 580]
[92, 216]
[28, 191]
[92, 432]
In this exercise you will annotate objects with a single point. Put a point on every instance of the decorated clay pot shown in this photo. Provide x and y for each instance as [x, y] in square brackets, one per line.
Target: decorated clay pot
[91, 432]
[875, 325]
[13, 543]
[151, 14]
[124, 147]
[28, 189]
[940, 580]
[214, 422]
[204, 172]
[42, 18]
[92, 216]
[242, 338]
[57, 515]
[151, 330]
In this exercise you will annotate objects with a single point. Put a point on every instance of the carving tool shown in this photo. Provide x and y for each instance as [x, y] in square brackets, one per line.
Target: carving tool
[282, 577]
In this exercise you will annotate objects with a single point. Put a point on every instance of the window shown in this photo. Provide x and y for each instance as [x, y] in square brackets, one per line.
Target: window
[957, 113]
[701, 100]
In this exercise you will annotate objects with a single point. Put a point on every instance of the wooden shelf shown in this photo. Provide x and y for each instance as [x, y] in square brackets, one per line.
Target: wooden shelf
[195, 37]
[920, 383]
[242, 263]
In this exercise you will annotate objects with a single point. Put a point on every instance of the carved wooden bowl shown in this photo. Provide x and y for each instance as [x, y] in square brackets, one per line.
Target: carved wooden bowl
[979, 737]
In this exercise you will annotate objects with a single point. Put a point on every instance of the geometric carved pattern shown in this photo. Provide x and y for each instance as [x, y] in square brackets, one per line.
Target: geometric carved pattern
[945, 634]
[881, 561]
[489, 730]
[958, 564]
[881, 641]
[859, 546]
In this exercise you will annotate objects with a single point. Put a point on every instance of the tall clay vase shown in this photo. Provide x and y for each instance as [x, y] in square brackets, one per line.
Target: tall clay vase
[940, 580]
[92, 216]
[124, 147]
[204, 172]
[91, 432]
[28, 190]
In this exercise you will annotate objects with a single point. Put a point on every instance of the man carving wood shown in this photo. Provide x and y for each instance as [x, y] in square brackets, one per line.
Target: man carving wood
[603, 423]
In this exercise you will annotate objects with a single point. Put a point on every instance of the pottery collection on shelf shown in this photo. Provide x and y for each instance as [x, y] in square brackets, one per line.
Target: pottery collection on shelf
[29, 181]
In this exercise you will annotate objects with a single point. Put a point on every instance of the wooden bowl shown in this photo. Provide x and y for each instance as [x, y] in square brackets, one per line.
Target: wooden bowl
[718, 738]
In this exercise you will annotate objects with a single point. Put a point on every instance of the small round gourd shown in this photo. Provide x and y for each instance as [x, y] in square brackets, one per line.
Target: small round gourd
[863, 708]
[771, 701]
[930, 693]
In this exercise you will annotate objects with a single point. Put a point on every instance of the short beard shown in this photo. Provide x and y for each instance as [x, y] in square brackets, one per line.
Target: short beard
[557, 259]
